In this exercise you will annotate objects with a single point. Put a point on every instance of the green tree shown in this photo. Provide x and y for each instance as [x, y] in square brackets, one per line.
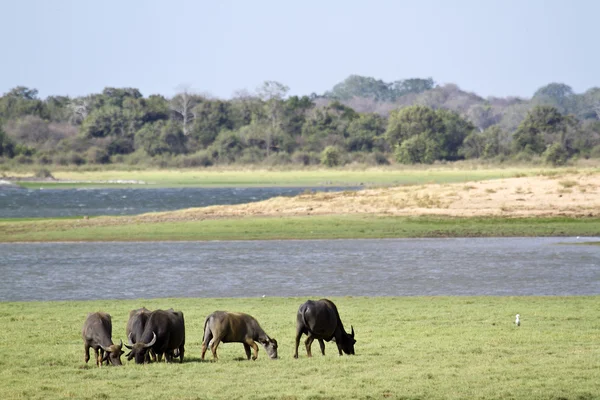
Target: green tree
[7, 146]
[418, 149]
[407, 122]
[360, 86]
[556, 95]
[364, 132]
[331, 157]
[212, 116]
[541, 121]
[161, 137]
[451, 138]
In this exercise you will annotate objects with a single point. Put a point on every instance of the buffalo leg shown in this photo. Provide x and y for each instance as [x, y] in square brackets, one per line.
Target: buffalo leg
[254, 346]
[298, 336]
[322, 344]
[213, 347]
[247, 350]
[308, 343]
[98, 355]
[181, 351]
[86, 350]
[204, 347]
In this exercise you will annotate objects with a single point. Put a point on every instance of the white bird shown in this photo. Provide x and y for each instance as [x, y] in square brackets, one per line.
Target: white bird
[518, 321]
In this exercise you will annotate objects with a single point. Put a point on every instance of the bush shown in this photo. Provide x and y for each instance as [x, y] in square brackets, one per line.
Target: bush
[281, 158]
[201, 158]
[43, 173]
[595, 152]
[331, 157]
[417, 149]
[97, 155]
[556, 155]
[305, 158]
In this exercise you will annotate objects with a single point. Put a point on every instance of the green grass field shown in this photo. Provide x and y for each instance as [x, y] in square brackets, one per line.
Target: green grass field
[407, 347]
[313, 227]
[220, 177]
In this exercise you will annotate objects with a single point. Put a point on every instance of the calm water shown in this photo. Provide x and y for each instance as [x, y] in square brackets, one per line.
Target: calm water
[398, 267]
[30, 203]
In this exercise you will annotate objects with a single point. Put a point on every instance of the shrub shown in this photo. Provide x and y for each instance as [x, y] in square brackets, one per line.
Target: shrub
[556, 155]
[331, 157]
[201, 158]
[43, 173]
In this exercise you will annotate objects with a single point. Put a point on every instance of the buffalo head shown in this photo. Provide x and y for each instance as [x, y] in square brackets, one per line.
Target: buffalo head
[271, 348]
[139, 349]
[113, 353]
[348, 342]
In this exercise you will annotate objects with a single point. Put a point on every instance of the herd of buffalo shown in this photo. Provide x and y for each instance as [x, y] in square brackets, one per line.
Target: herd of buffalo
[161, 333]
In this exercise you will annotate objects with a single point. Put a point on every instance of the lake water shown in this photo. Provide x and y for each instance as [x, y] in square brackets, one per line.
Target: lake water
[47, 203]
[391, 267]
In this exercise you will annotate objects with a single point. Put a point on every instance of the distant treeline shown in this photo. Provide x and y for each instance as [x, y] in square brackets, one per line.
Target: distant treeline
[361, 120]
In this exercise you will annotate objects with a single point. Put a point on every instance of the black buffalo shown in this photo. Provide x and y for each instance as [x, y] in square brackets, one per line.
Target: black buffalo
[164, 334]
[97, 334]
[320, 320]
[226, 327]
[135, 327]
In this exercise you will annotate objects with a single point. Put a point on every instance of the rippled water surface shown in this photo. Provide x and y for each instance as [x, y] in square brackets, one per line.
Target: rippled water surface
[391, 267]
[32, 203]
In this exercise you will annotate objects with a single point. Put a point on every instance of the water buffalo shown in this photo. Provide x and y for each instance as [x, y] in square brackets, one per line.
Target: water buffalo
[97, 334]
[135, 327]
[226, 327]
[164, 334]
[320, 320]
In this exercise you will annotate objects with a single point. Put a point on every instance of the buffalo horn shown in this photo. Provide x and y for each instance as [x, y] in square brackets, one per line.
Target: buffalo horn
[120, 343]
[152, 341]
[352, 334]
[130, 342]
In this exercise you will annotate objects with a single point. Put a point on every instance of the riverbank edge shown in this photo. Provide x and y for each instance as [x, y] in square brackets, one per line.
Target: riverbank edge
[128, 229]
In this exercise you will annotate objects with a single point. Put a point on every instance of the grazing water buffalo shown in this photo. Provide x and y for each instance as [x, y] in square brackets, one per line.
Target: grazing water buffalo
[227, 327]
[135, 327]
[97, 334]
[320, 320]
[164, 334]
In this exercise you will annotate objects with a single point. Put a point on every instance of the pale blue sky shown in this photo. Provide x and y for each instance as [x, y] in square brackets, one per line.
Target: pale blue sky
[499, 48]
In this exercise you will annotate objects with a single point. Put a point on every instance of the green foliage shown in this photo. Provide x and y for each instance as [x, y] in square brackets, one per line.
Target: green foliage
[556, 155]
[419, 149]
[43, 173]
[211, 118]
[270, 128]
[539, 121]
[411, 121]
[356, 86]
[364, 131]
[7, 146]
[451, 138]
[331, 157]
[161, 138]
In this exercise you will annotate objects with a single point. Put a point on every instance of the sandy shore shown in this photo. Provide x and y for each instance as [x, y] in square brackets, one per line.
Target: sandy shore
[574, 195]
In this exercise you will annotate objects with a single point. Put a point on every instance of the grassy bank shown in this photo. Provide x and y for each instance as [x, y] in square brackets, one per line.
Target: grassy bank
[457, 347]
[309, 227]
[221, 177]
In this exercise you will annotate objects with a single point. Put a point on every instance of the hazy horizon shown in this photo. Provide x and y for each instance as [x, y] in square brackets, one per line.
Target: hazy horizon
[493, 48]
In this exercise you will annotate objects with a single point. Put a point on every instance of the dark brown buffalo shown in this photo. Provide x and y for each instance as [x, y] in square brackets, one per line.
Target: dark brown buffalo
[226, 327]
[135, 327]
[164, 334]
[320, 320]
[97, 334]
